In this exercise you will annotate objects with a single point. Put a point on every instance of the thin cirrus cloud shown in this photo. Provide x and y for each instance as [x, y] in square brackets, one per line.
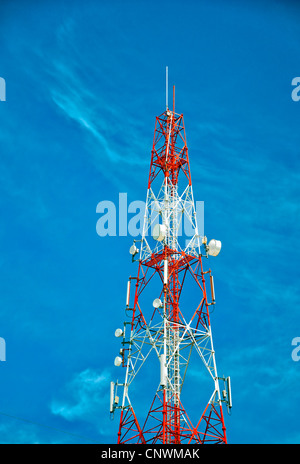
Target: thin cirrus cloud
[13, 433]
[102, 119]
[87, 393]
[107, 146]
[78, 113]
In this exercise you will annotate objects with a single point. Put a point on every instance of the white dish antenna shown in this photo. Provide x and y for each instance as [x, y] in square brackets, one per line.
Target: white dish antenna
[133, 250]
[157, 303]
[118, 361]
[118, 333]
[214, 247]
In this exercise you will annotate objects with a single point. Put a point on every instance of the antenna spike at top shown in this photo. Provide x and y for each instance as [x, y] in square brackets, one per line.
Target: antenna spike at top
[167, 84]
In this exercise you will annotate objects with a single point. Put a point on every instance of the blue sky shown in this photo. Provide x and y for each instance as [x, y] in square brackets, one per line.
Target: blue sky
[84, 82]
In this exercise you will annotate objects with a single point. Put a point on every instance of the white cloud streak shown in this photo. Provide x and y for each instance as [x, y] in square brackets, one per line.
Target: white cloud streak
[88, 391]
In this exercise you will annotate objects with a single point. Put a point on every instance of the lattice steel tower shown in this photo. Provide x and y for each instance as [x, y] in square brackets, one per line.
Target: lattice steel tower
[166, 346]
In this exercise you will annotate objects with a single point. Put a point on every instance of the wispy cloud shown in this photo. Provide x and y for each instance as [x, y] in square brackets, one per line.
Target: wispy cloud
[82, 99]
[78, 111]
[114, 148]
[87, 395]
[13, 433]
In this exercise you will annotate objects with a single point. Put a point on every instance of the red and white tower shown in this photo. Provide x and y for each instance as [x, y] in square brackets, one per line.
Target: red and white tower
[167, 339]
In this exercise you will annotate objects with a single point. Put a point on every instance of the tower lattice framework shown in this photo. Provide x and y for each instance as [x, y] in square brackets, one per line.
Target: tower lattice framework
[168, 345]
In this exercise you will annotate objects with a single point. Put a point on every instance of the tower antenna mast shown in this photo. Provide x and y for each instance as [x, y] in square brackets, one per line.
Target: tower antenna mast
[167, 85]
[164, 345]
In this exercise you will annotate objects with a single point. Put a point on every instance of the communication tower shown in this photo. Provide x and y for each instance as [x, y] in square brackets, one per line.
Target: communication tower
[166, 341]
